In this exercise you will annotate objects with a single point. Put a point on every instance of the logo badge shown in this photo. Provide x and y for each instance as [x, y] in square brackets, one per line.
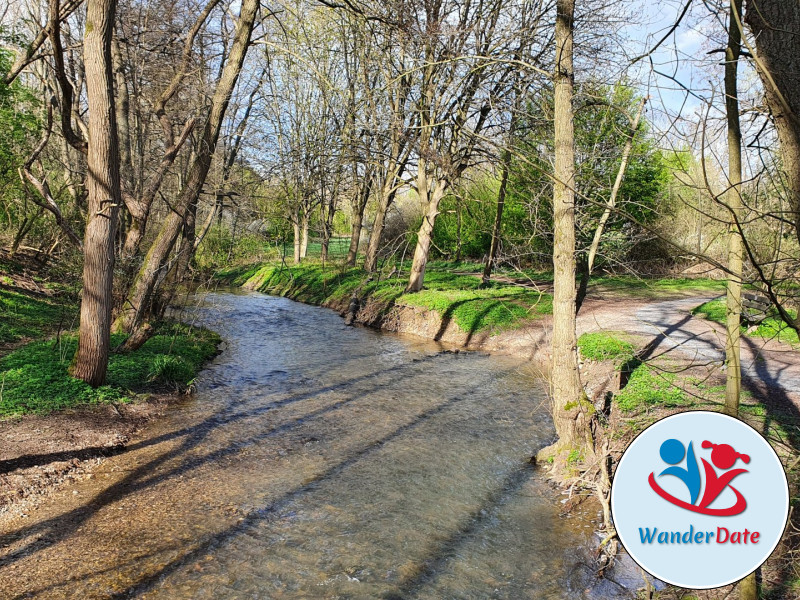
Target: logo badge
[699, 499]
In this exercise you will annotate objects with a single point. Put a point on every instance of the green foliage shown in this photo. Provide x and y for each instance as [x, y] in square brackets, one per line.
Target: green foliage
[770, 328]
[575, 456]
[601, 130]
[170, 369]
[220, 248]
[647, 387]
[19, 129]
[464, 225]
[605, 346]
[26, 316]
[35, 378]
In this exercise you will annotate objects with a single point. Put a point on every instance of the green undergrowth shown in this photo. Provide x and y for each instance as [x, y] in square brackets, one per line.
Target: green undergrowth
[452, 293]
[35, 378]
[648, 387]
[602, 345]
[770, 328]
[27, 316]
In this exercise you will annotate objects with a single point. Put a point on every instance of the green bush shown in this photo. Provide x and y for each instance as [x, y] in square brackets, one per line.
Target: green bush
[170, 369]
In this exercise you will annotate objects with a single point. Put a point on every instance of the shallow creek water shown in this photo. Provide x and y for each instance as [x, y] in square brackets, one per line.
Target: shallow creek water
[315, 461]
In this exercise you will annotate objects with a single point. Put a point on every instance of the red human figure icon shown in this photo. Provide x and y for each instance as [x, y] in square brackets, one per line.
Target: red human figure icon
[724, 457]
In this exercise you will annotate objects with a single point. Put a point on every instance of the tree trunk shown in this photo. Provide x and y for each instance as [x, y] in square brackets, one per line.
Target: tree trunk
[145, 283]
[187, 248]
[572, 411]
[355, 237]
[775, 24]
[425, 233]
[296, 225]
[733, 375]
[734, 202]
[376, 235]
[359, 205]
[91, 359]
[498, 218]
[304, 234]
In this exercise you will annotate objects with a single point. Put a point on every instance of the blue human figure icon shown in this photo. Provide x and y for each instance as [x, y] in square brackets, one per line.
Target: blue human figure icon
[672, 452]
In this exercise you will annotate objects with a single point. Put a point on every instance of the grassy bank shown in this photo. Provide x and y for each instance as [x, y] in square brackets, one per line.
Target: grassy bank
[34, 376]
[25, 315]
[450, 292]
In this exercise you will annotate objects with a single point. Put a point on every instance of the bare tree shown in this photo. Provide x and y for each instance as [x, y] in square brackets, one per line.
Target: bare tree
[152, 270]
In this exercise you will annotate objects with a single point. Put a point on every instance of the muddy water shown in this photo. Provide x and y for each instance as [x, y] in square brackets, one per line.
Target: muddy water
[314, 461]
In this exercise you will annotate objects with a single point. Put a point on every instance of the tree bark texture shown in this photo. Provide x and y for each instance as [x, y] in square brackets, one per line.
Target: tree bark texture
[104, 199]
[733, 199]
[775, 24]
[571, 410]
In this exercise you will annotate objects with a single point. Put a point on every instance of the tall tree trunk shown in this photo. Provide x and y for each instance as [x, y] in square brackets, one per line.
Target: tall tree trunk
[733, 379]
[296, 225]
[378, 225]
[186, 252]
[358, 206]
[775, 24]
[571, 410]
[734, 202]
[304, 221]
[91, 359]
[149, 274]
[355, 237]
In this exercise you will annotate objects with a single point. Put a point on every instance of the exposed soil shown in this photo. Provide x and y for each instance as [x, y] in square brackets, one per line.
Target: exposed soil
[40, 453]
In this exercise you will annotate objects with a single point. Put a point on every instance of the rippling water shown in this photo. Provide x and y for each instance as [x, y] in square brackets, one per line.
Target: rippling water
[314, 461]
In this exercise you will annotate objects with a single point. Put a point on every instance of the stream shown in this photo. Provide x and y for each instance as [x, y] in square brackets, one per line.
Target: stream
[316, 460]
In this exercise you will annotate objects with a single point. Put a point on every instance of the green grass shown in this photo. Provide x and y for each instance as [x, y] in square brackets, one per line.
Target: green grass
[28, 316]
[454, 295]
[771, 327]
[35, 378]
[602, 345]
[647, 387]
[654, 287]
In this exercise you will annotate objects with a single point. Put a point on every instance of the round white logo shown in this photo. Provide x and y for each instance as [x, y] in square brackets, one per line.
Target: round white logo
[699, 499]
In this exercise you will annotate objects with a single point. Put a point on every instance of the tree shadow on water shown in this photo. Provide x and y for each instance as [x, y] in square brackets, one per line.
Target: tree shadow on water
[53, 530]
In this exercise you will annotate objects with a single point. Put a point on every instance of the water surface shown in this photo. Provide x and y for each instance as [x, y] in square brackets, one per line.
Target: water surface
[315, 461]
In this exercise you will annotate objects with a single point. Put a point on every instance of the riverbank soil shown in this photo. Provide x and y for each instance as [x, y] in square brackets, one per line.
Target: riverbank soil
[40, 453]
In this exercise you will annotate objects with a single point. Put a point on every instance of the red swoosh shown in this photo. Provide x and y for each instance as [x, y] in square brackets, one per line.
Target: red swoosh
[737, 508]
